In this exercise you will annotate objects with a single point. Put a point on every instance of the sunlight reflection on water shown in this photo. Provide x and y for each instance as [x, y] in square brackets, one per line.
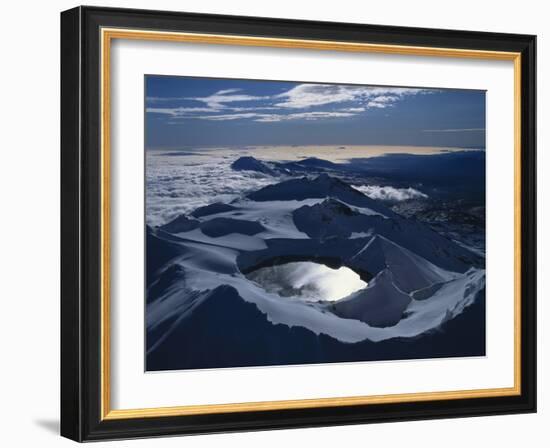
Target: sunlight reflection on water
[308, 280]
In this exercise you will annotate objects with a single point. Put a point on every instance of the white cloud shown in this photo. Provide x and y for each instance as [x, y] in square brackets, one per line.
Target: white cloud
[309, 95]
[191, 112]
[226, 117]
[376, 105]
[390, 193]
[302, 96]
[196, 181]
[383, 101]
[269, 118]
[226, 91]
[307, 116]
[353, 109]
[179, 111]
[386, 98]
[218, 99]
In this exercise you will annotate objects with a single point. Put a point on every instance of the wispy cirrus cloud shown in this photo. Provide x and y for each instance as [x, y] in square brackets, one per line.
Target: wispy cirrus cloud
[191, 112]
[215, 102]
[227, 91]
[353, 109]
[179, 111]
[228, 117]
[219, 99]
[317, 102]
[309, 95]
[318, 115]
[271, 118]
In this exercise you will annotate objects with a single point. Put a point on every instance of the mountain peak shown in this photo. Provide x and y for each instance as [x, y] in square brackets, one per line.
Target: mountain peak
[312, 162]
[249, 163]
[411, 271]
[322, 186]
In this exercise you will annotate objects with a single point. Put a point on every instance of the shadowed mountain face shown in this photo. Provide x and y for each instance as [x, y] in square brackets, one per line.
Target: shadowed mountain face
[331, 219]
[252, 164]
[212, 209]
[381, 304]
[449, 174]
[225, 331]
[421, 294]
[320, 187]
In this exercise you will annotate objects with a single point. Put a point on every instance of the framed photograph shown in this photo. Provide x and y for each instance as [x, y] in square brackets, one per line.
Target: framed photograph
[275, 224]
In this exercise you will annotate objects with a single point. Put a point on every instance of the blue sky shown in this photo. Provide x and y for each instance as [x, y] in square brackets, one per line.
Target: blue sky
[183, 112]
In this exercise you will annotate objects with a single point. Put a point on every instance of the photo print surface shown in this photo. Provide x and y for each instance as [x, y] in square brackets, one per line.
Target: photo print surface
[303, 223]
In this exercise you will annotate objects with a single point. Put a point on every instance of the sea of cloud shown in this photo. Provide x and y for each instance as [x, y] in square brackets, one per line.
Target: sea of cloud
[179, 182]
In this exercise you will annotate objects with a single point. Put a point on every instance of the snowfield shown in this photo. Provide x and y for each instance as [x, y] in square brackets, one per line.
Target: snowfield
[265, 263]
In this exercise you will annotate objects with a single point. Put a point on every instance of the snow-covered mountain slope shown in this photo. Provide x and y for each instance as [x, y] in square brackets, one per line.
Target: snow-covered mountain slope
[308, 165]
[380, 304]
[410, 272]
[248, 163]
[416, 279]
[330, 219]
[320, 187]
[222, 330]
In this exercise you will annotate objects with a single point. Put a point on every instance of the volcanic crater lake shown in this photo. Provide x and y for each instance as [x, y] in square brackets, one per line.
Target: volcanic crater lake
[308, 280]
